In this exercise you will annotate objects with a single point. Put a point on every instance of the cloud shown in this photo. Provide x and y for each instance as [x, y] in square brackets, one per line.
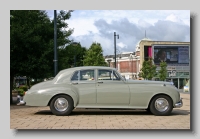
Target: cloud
[99, 26]
[169, 31]
[173, 18]
[130, 33]
[121, 45]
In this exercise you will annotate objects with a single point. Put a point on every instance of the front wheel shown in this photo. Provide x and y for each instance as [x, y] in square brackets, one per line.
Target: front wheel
[61, 105]
[161, 105]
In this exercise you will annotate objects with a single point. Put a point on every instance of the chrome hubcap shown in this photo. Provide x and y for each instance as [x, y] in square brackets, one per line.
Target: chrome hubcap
[61, 104]
[161, 104]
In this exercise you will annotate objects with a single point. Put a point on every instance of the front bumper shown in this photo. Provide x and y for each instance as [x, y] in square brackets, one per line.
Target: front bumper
[179, 104]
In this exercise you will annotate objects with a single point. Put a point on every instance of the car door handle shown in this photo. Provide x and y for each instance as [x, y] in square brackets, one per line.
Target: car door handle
[74, 83]
[100, 82]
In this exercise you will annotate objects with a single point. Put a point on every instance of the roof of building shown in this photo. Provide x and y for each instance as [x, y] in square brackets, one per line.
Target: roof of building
[137, 48]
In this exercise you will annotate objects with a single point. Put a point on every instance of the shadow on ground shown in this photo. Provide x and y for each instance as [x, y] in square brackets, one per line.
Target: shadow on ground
[112, 112]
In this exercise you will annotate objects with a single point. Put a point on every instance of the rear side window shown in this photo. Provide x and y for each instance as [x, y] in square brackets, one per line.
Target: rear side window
[83, 75]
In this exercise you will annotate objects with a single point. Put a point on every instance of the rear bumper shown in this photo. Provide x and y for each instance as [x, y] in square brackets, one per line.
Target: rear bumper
[21, 102]
[179, 104]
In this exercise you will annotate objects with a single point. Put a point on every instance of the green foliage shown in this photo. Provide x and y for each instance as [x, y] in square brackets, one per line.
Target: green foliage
[20, 91]
[31, 42]
[163, 71]
[24, 87]
[94, 56]
[148, 70]
[67, 55]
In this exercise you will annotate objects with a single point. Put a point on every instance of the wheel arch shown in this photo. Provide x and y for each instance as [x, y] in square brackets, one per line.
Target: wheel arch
[159, 95]
[74, 99]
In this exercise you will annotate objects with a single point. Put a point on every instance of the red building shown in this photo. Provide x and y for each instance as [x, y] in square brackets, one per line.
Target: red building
[128, 63]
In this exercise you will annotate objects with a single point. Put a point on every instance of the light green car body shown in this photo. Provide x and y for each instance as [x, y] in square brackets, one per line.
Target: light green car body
[125, 94]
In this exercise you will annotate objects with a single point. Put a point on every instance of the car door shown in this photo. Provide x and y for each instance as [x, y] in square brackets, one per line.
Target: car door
[83, 82]
[111, 89]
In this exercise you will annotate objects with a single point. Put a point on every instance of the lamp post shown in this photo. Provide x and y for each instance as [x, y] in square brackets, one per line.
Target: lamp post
[115, 46]
[55, 44]
[74, 44]
[136, 67]
[118, 57]
[131, 59]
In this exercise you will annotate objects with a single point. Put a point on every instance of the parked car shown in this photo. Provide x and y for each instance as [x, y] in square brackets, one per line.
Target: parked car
[102, 87]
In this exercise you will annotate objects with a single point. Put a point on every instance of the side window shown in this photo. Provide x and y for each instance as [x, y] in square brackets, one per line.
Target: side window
[105, 75]
[108, 75]
[83, 75]
[87, 75]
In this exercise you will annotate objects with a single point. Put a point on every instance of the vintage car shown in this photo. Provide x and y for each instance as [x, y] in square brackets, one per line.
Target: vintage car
[102, 88]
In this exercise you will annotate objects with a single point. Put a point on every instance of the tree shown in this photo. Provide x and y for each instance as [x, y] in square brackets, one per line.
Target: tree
[148, 70]
[163, 71]
[94, 56]
[31, 43]
[71, 55]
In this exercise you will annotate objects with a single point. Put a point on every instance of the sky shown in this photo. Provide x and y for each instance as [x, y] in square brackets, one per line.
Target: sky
[99, 26]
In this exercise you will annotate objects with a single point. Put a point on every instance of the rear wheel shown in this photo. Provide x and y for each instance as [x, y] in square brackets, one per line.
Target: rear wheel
[161, 105]
[61, 105]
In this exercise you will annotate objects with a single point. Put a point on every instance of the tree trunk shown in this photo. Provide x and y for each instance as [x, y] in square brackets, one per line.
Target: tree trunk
[28, 82]
[11, 87]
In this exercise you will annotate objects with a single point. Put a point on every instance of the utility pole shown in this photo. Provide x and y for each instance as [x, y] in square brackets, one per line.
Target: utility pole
[115, 47]
[55, 44]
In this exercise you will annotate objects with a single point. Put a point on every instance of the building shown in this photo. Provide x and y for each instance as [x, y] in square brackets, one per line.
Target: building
[178, 53]
[129, 64]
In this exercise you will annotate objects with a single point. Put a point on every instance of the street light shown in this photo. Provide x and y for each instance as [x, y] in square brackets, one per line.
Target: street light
[118, 57]
[115, 46]
[131, 59]
[74, 44]
[55, 44]
[136, 66]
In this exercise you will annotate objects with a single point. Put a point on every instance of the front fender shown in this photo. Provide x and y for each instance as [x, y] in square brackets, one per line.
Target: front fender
[142, 94]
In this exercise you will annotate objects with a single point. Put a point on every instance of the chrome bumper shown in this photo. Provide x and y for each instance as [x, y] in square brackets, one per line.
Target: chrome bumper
[179, 104]
[21, 102]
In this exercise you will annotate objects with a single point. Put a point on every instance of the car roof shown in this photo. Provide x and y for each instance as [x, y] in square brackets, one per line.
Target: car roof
[87, 67]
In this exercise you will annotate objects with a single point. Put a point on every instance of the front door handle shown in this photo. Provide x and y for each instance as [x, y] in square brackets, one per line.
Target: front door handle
[100, 82]
[74, 83]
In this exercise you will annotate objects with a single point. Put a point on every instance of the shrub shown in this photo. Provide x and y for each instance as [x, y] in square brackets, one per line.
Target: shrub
[24, 87]
[20, 91]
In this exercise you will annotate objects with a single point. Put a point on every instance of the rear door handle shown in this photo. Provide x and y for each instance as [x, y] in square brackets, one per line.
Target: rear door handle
[74, 83]
[100, 82]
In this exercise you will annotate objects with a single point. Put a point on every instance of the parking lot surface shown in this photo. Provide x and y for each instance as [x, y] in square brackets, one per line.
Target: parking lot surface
[25, 117]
